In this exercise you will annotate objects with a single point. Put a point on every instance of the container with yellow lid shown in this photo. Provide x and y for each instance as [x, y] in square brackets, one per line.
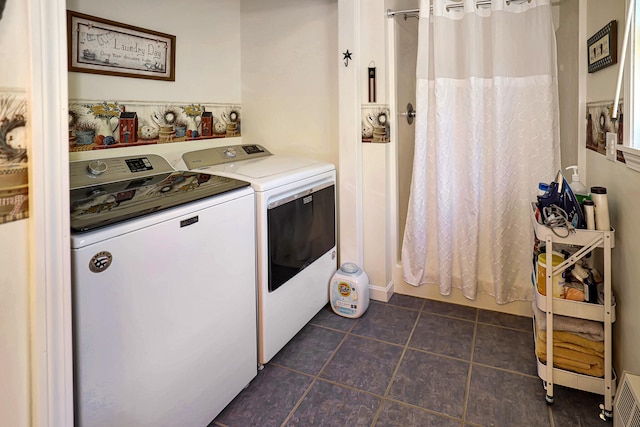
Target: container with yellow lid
[558, 280]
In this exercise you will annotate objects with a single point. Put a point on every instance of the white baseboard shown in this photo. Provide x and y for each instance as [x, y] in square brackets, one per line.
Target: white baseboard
[380, 293]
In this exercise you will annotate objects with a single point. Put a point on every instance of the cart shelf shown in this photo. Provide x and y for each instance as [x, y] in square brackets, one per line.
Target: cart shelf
[582, 310]
[575, 380]
[581, 237]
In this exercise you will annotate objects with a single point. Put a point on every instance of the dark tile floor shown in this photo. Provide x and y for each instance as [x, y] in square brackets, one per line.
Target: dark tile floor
[409, 362]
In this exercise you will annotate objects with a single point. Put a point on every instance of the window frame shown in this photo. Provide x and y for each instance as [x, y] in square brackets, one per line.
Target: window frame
[631, 118]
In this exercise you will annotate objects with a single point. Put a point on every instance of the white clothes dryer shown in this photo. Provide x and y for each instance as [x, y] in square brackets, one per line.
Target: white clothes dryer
[296, 234]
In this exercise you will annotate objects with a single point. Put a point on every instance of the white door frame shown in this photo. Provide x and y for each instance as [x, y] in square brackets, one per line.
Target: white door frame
[50, 281]
[350, 213]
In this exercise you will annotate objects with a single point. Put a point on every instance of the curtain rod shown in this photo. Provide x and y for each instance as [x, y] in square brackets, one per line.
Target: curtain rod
[415, 12]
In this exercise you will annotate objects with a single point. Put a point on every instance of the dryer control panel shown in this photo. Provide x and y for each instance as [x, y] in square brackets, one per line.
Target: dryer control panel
[219, 155]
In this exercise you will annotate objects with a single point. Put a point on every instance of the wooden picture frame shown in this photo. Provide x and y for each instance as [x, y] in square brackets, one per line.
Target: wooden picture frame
[602, 47]
[100, 46]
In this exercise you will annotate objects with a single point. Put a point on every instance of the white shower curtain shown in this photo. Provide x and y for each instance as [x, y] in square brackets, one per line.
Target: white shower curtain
[486, 134]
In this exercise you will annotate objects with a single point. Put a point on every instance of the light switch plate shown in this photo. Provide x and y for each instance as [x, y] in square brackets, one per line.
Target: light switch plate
[610, 144]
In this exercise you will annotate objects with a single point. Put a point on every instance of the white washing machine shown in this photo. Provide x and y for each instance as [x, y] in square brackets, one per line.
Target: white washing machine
[164, 299]
[296, 226]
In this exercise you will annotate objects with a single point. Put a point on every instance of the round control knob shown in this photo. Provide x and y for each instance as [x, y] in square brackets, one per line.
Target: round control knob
[230, 152]
[97, 167]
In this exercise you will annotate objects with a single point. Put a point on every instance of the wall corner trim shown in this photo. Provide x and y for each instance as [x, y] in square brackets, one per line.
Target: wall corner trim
[381, 293]
[50, 287]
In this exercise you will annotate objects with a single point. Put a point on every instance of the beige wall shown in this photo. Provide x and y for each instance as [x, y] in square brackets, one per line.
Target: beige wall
[276, 59]
[373, 20]
[207, 51]
[567, 40]
[289, 76]
[623, 186]
[406, 46]
[601, 85]
[14, 324]
[14, 246]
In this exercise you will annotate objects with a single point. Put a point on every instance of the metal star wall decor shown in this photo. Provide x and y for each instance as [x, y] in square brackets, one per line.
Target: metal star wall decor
[347, 57]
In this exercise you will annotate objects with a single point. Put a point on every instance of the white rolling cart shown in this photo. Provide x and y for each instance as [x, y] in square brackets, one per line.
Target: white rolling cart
[587, 240]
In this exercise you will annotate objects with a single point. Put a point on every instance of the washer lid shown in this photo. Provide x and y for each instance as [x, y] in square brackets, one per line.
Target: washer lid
[110, 203]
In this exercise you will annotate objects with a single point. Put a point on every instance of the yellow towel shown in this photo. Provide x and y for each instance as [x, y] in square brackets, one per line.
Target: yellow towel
[570, 356]
[566, 338]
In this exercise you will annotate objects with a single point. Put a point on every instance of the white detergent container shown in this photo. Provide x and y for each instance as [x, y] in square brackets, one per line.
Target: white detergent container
[349, 291]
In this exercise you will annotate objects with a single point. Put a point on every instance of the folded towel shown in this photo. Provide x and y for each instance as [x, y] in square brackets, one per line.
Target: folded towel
[571, 340]
[588, 329]
[570, 356]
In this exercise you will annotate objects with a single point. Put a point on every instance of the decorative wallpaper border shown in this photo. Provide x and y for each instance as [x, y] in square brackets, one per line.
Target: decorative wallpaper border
[375, 123]
[100, 124]
[14, 161]
[599, 123]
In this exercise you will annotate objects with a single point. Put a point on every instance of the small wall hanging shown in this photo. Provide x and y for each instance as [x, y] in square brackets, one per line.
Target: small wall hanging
[602, 47]
[347, 57]
[372, 81]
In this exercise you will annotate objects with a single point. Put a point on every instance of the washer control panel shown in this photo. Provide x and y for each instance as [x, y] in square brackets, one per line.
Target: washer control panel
[139, 164]
[219, 155]
[98, 171]
[97, 167]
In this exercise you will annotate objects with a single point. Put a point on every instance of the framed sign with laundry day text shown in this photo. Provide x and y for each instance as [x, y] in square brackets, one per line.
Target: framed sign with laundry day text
[100, 46]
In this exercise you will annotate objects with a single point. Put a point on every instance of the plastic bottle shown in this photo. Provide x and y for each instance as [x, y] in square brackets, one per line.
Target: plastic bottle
[590, 290]
[577, 186]
[589, 214]
[599, 197]
[542, 188]
[349, 291]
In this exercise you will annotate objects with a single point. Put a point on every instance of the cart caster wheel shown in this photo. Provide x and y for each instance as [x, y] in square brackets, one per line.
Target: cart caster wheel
[260, 366]
[549, 399]
[606, 415]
